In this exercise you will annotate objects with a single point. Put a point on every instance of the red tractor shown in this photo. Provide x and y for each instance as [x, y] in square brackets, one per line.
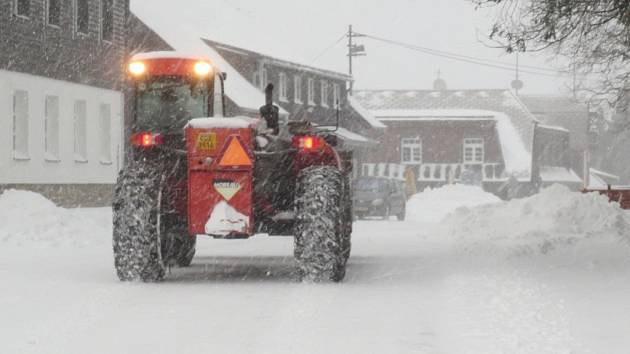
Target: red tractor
[190, 171]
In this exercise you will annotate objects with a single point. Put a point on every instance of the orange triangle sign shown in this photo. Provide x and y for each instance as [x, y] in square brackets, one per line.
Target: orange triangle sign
[235, 155]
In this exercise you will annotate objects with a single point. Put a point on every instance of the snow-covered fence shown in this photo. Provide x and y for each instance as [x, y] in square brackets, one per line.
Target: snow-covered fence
[432, 172]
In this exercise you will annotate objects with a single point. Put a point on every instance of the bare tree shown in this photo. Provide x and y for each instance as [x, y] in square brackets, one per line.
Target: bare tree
[593, 36]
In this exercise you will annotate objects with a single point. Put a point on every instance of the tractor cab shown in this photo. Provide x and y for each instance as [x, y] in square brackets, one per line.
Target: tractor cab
[166, 91]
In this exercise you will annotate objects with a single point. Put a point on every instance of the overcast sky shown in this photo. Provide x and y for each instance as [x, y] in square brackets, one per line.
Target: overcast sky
[302, 30]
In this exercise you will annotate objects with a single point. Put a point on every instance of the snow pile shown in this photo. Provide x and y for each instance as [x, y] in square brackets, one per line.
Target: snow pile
[541, 222]
[226, 220]
[433, 205]
[27, 217]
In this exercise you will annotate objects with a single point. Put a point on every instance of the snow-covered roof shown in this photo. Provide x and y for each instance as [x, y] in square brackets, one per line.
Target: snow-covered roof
[595, 182]
[352, 138]
[515, 154]
[604, 174]
[559, 174]
[277, 61]
[553, 104]
[183, 37]
[553, 127]
[365, 114]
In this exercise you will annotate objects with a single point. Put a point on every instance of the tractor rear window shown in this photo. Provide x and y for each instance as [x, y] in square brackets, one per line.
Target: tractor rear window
[166, 104]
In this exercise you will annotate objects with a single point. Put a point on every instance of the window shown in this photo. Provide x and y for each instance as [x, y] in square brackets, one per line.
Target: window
[51, 128]
[107, 20]
[20, 125]
[297, 89]
[336, 96]
[310, 93]
[80, 131]
[105, 118]
[22, 8]
[324, 94]
[260, 78]
[283, 89]
[411, 151]
[53, 12]
[82, 16]
[473, 151]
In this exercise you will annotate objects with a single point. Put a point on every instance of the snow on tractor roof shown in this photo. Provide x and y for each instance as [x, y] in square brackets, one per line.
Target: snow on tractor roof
[171, 54]
[231, 122]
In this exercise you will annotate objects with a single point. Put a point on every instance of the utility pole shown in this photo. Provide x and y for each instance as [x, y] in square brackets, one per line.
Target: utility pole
[354, 50]
[517, 84]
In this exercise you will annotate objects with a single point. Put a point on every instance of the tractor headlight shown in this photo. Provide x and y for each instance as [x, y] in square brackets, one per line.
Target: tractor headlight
[202, 68]
[137, 68]
[377, 202]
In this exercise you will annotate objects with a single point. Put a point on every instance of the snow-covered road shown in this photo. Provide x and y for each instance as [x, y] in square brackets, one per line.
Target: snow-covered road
[409, 289]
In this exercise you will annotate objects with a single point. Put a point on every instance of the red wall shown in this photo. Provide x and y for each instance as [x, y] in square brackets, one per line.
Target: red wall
[442, 141]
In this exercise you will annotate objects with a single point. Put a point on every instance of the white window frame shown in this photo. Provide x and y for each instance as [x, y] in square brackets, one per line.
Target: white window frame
[414, 145]
[260, 78]
[310, 92]
[336, 96]
[47, 14]
[105, 125]
[80, 131]
[476, 147]
[297, 89]
[324, 93]
[51, 128]
[283, 92]
[20, 129]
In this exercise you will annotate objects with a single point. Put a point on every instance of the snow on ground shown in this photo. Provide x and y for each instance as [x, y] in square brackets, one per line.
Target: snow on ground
[435, 204]
[410, 288]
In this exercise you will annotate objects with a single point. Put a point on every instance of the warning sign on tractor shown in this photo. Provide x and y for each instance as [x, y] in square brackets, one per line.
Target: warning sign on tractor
[227, 188]
[207, 141]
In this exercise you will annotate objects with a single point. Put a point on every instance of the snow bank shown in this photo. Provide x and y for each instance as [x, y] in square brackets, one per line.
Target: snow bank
[433, 205]
[541, 222]
[226, 220]
[29, 218]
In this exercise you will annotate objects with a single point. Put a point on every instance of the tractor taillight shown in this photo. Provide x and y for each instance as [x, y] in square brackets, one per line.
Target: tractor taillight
[307, 142]
[146, 139]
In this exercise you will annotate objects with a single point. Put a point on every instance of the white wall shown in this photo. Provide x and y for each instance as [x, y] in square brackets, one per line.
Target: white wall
[37, 169]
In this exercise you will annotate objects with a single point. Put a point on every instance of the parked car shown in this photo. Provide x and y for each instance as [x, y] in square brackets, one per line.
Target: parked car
[377, 196]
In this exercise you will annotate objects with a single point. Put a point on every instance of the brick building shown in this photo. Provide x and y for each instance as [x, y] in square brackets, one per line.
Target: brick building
[60, 92]
[482, 136]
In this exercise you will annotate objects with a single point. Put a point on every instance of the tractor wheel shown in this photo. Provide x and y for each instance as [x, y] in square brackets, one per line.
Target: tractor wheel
[319, 224]
[184, 249]
[136, 239]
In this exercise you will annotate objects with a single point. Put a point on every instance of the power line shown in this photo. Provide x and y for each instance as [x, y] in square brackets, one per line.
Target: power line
[468, 59]
[328, 48]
